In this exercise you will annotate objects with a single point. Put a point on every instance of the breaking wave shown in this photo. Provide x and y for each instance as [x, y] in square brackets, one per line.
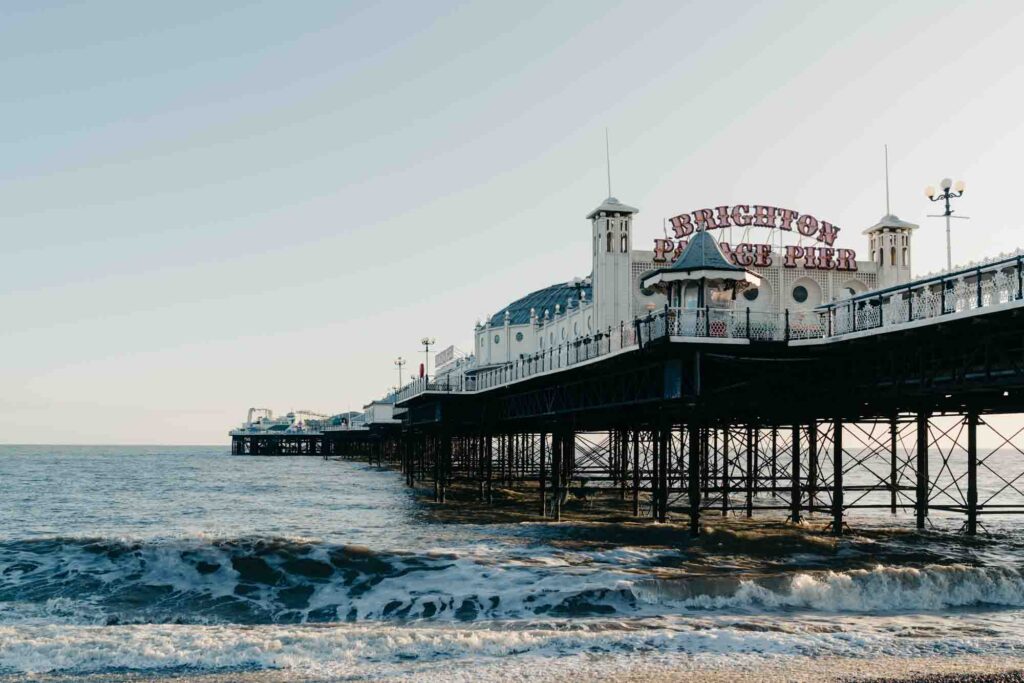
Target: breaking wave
[285, 581]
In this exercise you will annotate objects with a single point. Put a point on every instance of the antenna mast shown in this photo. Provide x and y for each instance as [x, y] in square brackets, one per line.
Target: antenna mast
[608, 161]
[887, 211]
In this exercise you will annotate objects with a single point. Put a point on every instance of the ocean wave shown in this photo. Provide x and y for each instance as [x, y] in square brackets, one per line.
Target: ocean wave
[879, 589]
[289, 581]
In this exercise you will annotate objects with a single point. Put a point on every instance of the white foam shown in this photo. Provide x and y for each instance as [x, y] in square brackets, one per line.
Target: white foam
[432, 651]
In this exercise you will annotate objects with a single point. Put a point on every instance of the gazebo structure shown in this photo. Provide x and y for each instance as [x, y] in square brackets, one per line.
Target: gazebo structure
[702, 277]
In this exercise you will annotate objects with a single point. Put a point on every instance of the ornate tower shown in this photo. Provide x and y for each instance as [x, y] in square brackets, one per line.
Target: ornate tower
[889, 242]
[611, 241]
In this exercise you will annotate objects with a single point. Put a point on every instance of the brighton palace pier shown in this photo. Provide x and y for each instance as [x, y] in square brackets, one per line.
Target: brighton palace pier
[748, 362]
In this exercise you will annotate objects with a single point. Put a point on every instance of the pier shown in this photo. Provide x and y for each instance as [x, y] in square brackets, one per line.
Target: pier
[699, 380]
[685, 414]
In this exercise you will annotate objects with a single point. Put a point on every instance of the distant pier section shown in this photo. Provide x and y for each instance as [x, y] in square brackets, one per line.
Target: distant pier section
[304, 432]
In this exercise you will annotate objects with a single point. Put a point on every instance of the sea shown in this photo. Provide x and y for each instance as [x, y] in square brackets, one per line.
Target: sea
[187, 563]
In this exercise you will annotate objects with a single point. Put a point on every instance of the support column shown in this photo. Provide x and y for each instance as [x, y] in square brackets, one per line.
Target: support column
[812, 465]
[750, 472]
[795, 494]
[437, 467]
[972, 472]
[623, 442]
[893, 469]
[445, 455]
[837, 477]
[636, 472]
[655, 469]
[557, 448]
[921, 504]
[664, 435]
[725, 471]
[489, 468]
[543, 474]
[693, 472]
[775, 463]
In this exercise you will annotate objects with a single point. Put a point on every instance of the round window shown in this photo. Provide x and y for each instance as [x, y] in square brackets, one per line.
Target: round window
[563, 333]
[576, 328]
[589, 324]
[799, 294]
[497, 338]
[519, 336]
[750, 294]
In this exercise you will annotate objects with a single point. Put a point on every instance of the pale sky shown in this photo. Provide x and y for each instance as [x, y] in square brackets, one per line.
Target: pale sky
[210, 206]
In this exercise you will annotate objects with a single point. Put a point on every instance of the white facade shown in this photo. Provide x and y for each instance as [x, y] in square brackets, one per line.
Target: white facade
[567, 311]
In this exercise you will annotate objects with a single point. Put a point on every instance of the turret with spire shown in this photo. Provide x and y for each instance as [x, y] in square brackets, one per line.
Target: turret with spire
[889, 242]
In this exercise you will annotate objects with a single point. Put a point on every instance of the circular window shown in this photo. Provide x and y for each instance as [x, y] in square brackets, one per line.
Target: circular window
[750, 294]
[497, 338]
[589, 324]
[799, 294]
[519, 336]
[576, 328]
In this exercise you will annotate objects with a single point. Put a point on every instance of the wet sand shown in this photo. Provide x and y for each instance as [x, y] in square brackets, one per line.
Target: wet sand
[967, 669]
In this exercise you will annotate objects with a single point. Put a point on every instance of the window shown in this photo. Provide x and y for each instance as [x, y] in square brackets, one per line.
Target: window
[519, 336]
[497, 338]
[799, 294]
[750, 293]
[623, 243]
[904, 256]
[563, 334]
[892, 256]
[590, 327]
[576, 328]
[552, 338]
[609, 241]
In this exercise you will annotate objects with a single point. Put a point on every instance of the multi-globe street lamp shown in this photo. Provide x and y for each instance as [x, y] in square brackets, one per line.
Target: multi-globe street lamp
[427, 343]
[949, 191]
[399, 362]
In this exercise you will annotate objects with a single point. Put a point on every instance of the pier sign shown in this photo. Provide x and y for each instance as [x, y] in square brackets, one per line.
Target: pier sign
[444, 357]
[823, 257]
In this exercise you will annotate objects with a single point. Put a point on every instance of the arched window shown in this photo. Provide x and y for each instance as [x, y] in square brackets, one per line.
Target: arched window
[892, 256]
[905, 256]
[609, 241]
[623, 243]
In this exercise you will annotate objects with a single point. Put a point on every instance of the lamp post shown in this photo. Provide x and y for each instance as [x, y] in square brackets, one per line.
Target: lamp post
[399, 362]
[947, 194]
[427, 343]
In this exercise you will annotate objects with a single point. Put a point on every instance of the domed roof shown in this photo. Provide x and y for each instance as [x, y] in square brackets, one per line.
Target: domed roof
[541, 300]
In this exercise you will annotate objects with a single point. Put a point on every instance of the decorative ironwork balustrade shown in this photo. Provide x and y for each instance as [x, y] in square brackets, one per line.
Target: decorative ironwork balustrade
[987, 286]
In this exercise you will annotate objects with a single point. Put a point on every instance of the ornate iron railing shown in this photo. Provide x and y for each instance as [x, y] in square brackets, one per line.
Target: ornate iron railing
[986, 286]
[994, 284]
